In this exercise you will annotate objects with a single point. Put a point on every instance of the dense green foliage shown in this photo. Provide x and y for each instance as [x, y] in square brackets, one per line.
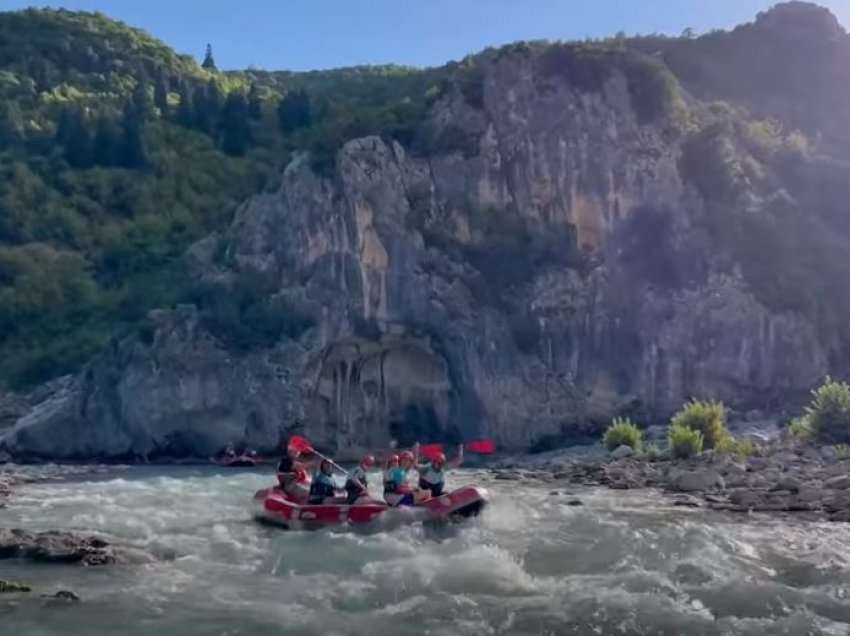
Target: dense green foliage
[709, 418]
[800, 429]
[739, 447]
[828, 415]
[622, 432]
[246, 315]
[116, 154]
[684, 442]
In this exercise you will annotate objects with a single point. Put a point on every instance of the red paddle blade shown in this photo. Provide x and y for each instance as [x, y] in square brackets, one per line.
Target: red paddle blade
[430, 450]
[481, 447]
[301, 444]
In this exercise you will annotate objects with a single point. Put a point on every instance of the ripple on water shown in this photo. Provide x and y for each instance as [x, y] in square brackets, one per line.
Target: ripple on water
[622, 563]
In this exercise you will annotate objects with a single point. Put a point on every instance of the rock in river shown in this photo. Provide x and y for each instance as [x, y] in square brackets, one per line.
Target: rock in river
[64, 547]
[8, 587]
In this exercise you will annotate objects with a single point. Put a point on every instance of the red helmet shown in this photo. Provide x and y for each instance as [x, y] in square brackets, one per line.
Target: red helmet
[439, 459]
[392, 459]
[406, 456]
[367, 461]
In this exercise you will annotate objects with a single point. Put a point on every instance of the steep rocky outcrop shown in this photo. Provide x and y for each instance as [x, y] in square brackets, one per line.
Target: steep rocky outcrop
[561, 267]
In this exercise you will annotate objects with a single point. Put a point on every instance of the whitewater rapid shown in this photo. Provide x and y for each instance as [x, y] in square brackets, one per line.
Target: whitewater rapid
[623, 563]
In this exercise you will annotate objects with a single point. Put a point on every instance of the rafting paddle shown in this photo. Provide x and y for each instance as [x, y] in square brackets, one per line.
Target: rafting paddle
[479, 447]
[302, 445]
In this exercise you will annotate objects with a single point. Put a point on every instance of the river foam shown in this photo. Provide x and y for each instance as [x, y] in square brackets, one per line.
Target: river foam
[623, 563]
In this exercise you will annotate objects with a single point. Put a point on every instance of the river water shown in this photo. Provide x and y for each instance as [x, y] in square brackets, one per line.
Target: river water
[623, 563]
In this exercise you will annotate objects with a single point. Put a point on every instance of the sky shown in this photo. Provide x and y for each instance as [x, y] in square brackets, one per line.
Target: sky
[314, 34]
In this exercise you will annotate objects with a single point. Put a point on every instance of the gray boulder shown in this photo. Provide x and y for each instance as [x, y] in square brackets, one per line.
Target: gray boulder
[697, 481]
[622, 452]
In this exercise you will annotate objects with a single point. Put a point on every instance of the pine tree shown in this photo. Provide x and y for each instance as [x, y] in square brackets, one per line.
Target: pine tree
[160, 94]
[64, 127]
[214, 99]
[255, 104]
[74, 137]
[186, 110]
[133, 152]
[11, 123]
[107, 143]
[235, 128]
[294, 111]
[40, 72]
[209, 62]
[207, 107]
[141, 101]
[201, 119]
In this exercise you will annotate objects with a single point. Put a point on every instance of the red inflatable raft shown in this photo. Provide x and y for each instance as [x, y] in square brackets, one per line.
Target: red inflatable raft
[272, 505]
[241, 461]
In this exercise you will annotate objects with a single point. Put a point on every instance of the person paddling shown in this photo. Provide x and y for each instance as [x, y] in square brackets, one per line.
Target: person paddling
[357, 484]
[397, 492]
[432, 476]
[323, 487]
[292, 474]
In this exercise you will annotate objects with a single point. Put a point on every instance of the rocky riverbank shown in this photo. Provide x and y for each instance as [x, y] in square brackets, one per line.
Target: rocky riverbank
[779, 478]
[65, 547]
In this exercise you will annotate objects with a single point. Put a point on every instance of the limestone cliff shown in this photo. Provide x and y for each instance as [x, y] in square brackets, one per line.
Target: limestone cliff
[564, 265]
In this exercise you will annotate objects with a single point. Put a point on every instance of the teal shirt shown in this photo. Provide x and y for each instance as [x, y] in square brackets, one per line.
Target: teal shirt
[327, 480]
[397, 476]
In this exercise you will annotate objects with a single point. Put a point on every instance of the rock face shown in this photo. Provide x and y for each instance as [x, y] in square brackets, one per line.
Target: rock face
[525, 289]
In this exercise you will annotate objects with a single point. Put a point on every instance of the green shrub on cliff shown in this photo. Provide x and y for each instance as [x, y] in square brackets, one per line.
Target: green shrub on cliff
[622, 432]
[829, 413]
[684, 442]
[800, 429]
[741, 448]
[709, 418]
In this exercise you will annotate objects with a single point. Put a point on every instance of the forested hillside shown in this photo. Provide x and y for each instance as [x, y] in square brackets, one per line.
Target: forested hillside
[117, 153]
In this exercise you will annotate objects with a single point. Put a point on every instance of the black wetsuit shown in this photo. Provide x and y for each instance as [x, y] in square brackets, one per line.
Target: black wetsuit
[356, 485]
[286, 465]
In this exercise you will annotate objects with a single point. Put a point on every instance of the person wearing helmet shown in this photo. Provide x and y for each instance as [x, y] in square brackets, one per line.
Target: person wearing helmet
[397, 492]
[323, 486]
[292, 474]
[432, 476]
[357, 484]
[390, 463]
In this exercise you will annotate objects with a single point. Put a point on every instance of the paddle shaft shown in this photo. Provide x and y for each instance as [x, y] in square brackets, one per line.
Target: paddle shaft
[331, 462]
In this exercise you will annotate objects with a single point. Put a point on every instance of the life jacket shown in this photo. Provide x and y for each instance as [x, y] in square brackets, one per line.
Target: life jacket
[395, 481]
[323, 486]
[358, 477]
[431, 475]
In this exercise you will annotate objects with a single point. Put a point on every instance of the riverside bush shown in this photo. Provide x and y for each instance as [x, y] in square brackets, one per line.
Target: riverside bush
[709, 418]
[800, 428]
[622, 432]
[652, 452]
[684, 442]
[739, 447]
[829, 413]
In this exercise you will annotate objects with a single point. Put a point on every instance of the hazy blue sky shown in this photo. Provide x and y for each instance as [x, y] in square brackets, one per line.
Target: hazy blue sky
[307, 34]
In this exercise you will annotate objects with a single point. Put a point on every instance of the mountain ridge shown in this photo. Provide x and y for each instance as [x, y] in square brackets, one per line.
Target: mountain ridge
[521, 244]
